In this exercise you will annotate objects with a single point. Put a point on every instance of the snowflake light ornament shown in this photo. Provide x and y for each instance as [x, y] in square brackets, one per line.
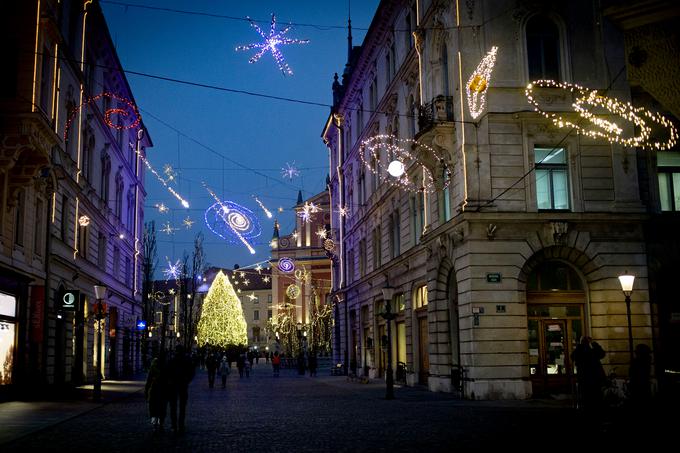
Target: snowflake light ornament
[172, 271]
[290, 171]
[188, 223]
[270, 43]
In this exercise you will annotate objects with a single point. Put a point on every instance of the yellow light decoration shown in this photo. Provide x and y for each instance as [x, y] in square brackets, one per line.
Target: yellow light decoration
[293, 291]
[606, 129]
[222, 323]
[478, 83]
[83, 221]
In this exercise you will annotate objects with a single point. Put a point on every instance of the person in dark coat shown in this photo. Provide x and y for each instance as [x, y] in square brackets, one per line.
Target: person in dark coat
[155, 391]
[312, 363]
[640, 386]
[590, 374]
[211, 364]
[180, 373]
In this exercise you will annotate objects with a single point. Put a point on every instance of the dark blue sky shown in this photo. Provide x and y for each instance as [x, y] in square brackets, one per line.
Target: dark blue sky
[254, 132]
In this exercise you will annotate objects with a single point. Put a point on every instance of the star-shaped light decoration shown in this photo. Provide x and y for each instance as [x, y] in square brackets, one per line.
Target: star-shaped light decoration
[290, 171]
[307, 210]
[242, 274]
[162, 208]
[321, 232]
[252, 296]
[171, 291]
[238, 290]
[168, 229]
[280, 208]
[246, 282]
[343, 211]
[173, 270]
[270, 43]
[258, 268]
[265, 279]
[188, 223]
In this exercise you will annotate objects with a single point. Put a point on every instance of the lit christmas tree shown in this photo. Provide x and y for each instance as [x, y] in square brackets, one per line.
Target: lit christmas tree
[222, 323]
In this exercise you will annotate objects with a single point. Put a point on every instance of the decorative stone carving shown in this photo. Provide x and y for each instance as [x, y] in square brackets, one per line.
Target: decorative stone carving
[559, 230]
[491, 231]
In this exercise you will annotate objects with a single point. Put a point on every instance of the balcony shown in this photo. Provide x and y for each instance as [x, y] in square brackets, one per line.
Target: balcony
[436, 112]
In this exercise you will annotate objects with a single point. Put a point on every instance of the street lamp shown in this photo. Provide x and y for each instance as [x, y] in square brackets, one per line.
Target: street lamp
[388, 292]
[627, 288]
[99, 294]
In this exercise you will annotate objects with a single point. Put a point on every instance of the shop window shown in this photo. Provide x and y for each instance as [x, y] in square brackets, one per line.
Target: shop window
[420, 297]
[669, 180]
[7, 337]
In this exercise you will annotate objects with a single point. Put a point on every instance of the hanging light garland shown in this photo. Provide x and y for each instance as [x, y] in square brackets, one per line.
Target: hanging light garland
[402, 159]
[605, 129]
[270, 43]
[293, 291]
[478, 83]
[172, 191]
[129, 110]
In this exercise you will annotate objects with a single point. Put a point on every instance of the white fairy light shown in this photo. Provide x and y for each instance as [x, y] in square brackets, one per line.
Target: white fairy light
[188, 223]
[172, 191]
[162, 208]
[173, 270]
[478, 83]
[168, 229]
[290, 171]
[266, 211]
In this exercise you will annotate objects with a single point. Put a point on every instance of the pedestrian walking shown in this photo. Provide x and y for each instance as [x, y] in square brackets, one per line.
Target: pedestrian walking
[180, 373]
[155, 392]
[224, 370]
[241, 364]
[589, 373]
[211, 364]
[276, 364]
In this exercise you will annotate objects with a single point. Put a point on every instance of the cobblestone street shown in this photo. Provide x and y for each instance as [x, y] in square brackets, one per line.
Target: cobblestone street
[325, 413]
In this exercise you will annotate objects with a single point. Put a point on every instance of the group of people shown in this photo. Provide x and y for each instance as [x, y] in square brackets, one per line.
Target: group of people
[168, 384]
[591, 378]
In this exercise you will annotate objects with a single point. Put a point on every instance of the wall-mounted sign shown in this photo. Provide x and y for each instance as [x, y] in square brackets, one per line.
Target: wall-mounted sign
[493, 277]
[68, 300]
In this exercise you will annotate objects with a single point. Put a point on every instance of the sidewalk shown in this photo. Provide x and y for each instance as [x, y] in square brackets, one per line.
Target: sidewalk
[21, 418]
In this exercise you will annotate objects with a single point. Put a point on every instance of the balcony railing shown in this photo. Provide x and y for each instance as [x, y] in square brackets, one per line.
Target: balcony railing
[438, 111]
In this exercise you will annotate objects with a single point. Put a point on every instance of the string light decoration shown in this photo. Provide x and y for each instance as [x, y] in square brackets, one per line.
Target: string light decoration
[231, 221]
[329, 245]
[293, 291]
[399, 148]
[604, 128]
[270, 43]
[168, 229]
[266, 211]
[222, 323]
[188, 223]
[173, 270]
[290, 171]
[129, 109]
[286, 265]
[172, 191]
[478, 83]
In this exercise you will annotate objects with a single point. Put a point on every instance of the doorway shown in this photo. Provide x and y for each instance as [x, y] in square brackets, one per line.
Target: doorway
[423, 356]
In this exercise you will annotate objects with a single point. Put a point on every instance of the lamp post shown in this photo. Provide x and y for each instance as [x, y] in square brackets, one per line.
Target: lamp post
[99, 294]
[388, 292]
[627, 288]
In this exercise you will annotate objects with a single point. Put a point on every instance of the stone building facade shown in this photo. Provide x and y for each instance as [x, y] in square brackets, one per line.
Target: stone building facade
[515, 255]
[72, 196]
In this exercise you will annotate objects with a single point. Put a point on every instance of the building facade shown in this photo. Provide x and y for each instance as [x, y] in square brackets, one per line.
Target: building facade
[513, 252]
[72, 196]
[300, 269]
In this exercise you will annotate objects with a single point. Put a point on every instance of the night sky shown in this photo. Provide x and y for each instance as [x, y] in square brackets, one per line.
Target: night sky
[236, 143]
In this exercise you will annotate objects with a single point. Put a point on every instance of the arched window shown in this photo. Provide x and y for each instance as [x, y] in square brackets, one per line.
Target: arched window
[543, 48]
[412, 115]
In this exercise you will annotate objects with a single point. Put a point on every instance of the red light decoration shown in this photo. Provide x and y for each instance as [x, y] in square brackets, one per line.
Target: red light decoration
[129, 110]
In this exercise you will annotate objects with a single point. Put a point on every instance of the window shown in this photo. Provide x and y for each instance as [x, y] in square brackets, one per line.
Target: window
[350, 266]
[445, 199]
[409, 32]
[105, 176]
[420, 297]
[445, 70]
[417, 212]
[45, 81]
[128, 268]
[130, 209]
[388, 69]
[669, 180]
[19, 219]
[118, 205]
[373, 94]
[101, 251]
[412, 115]
[393, 61]
[361, 186]
[83, 240]
[269, 299]
[377, 252]
[256, 315]
[395, 234]
[86, 163]
[398, 303]
[552, 178]
[38, 229]
[375, 171]
[543, 48]
[269, 314]
[256, 299]
[360, 118]
[116, 262]
[256, 333]
[64, 217]
[362, 258]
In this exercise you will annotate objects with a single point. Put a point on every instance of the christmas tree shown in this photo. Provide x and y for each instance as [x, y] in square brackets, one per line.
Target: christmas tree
[222, 323]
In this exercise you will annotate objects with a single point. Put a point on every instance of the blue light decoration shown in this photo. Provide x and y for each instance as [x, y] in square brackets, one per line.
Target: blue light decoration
[270, 43]
[141, 324]
[286, 265]
[233, 223]
[173, 270]
[290, 171]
